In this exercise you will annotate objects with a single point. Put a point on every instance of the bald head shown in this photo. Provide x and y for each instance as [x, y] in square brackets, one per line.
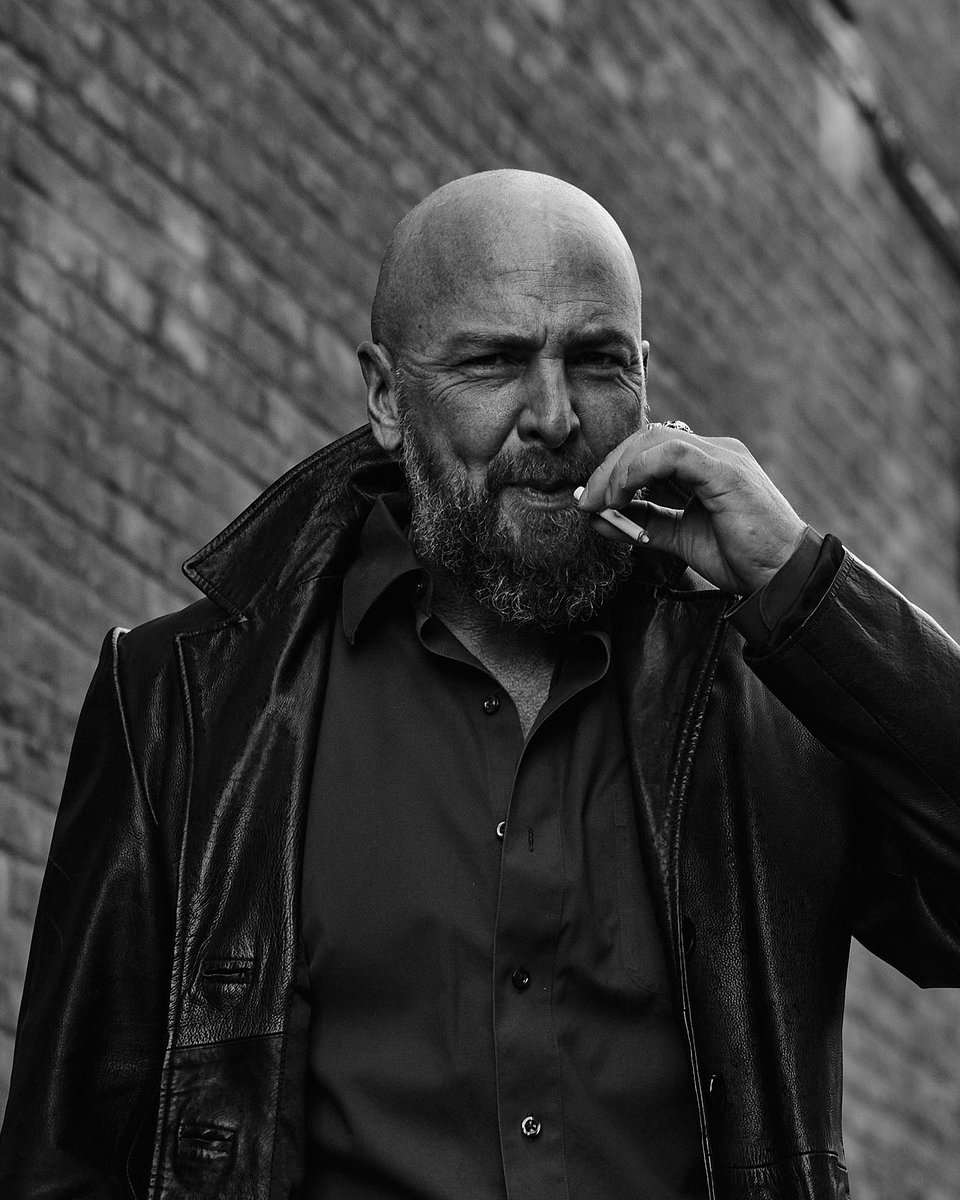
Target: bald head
[491, 225]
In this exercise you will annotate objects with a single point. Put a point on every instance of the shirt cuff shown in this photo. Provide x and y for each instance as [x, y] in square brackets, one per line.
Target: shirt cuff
[774, 612]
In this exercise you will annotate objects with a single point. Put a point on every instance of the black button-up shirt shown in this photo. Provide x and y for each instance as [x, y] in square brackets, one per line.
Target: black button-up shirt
[490, 1006]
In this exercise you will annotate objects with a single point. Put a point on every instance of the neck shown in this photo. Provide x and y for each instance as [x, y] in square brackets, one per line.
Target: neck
[465, 614]
[522, 660]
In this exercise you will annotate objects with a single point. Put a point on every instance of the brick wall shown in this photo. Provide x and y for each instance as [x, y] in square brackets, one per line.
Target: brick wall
[193, 198]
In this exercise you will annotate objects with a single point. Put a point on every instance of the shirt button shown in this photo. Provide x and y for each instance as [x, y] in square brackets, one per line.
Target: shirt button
[501, 829]
[491, 705]
[520, 979]
[530, 1127]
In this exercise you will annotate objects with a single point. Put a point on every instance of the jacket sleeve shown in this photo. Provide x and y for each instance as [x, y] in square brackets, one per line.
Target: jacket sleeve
[91, 1036]
[877, 681]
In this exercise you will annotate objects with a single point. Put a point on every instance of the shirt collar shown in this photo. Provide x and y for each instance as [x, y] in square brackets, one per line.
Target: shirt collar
[384, 556]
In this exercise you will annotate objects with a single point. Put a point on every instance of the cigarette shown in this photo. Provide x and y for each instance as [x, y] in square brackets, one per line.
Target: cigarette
[618, 520]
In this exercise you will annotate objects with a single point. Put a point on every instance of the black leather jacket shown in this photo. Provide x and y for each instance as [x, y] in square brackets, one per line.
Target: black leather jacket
[784, 802]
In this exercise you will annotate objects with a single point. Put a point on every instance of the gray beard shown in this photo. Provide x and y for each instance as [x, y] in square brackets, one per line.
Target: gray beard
[554, 573]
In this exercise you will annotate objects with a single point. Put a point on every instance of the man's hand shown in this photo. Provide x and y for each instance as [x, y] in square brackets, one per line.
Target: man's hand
[736, 532]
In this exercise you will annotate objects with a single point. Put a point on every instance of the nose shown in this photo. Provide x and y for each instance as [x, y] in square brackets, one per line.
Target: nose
[548, 416]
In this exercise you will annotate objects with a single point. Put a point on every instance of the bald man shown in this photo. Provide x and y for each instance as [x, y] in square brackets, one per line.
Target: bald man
[467, 840]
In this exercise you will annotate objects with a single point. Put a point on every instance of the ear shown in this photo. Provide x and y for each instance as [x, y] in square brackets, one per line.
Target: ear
[378, 374]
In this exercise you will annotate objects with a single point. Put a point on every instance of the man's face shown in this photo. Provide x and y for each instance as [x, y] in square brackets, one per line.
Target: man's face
[527, 362]
[520, 377]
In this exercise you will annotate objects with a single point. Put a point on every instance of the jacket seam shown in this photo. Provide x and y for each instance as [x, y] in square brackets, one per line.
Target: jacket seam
[177, 971]
[116, 634]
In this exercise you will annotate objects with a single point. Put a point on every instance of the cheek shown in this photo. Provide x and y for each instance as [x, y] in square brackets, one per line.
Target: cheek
[606, 420]
[473, 427]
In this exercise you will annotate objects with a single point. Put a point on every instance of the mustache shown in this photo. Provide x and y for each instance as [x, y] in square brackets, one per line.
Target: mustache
[543, 469]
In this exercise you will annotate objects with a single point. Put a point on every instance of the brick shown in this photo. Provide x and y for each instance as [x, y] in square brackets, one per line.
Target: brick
[157, 144]
[41, 43]
[85, 384]
[209, 473]
[106, 338]
[39, 167]
[72, 611]
[87, 28]
[35, 771]
[186, 228]
[235, 269]
[68, 247]
[19, 82]
[127, 295]
[24, 890]
[284, 313]
[25, 828]
[34, 336]
[11, 996]
[105, 100]
[265, 353]
[15, 942]
[210, 192]
[235, 379]
[181, 336]
[132, 186]
[163, 385]
[139, 534]
[39, 285]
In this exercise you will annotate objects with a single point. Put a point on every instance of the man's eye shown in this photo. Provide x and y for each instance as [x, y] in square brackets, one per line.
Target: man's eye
[494, 359]
[597, 359]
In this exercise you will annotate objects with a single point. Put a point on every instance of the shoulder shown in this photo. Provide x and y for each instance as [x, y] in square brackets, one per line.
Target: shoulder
[149, 649]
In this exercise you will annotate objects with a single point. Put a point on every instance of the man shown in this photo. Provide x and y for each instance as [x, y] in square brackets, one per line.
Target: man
[457, 844]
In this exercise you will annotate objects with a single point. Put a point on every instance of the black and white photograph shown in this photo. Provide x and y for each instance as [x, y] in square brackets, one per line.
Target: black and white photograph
[479, 581]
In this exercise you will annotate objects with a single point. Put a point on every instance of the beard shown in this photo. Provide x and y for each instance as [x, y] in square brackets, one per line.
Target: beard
[548, 570]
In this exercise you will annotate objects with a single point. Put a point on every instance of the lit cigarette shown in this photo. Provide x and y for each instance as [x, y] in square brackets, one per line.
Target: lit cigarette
[618, 520]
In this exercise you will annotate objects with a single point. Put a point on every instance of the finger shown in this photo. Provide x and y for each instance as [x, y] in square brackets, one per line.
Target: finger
[697, 465]
[630, 523]
[596, 488]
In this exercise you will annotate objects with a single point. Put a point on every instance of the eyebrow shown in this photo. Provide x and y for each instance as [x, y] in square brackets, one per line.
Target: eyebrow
[505, 339]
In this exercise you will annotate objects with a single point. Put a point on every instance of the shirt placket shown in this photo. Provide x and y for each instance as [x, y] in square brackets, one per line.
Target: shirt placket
[528, 924]
[526, 791]
[529, 911]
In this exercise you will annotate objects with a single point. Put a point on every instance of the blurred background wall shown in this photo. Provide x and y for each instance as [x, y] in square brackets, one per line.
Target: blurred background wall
[194, 195]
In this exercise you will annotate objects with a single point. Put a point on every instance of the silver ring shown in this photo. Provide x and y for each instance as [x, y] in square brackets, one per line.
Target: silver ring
[677, 425]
